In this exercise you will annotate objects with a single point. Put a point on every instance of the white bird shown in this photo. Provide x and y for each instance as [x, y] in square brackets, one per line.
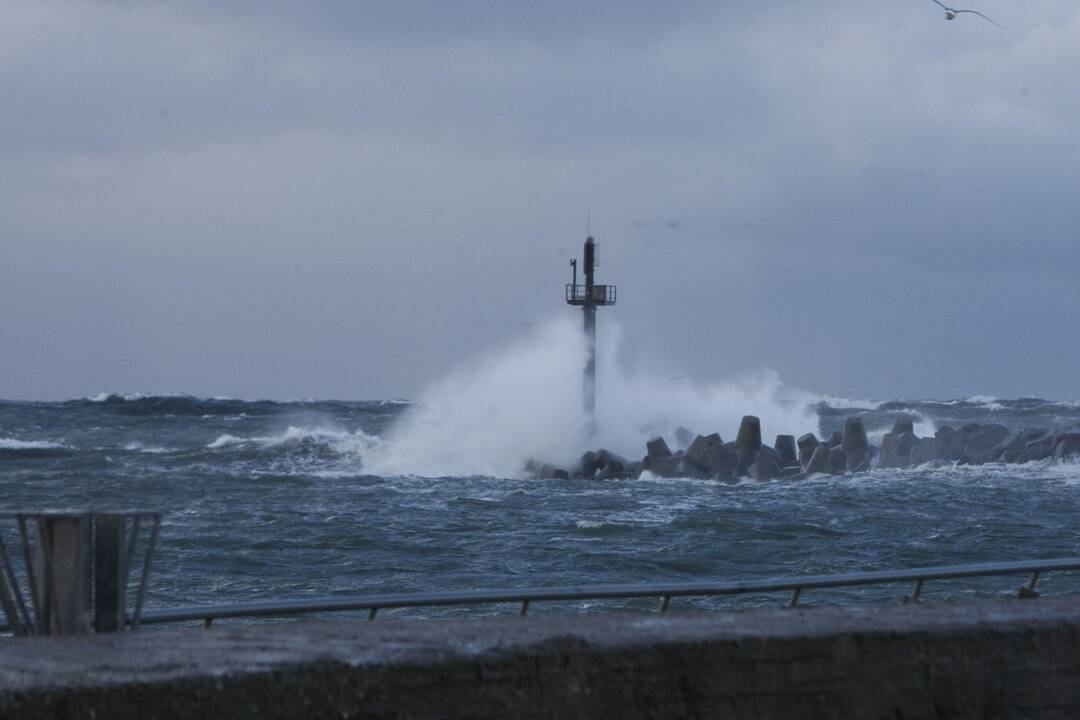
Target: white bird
[951, 13]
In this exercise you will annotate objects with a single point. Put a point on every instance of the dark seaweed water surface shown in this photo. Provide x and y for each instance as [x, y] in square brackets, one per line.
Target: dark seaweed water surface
[271, 500]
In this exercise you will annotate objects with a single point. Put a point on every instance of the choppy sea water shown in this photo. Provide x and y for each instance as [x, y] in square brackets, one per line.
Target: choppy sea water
[275, 500]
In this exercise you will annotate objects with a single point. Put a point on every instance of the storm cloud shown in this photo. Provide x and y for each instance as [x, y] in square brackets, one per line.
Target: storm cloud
[348, 199]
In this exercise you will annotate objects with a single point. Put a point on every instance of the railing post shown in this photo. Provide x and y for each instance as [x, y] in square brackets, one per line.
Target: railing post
[145, 578]
[664, 603]
[18, 617]
[31, 576]
[524, 608]
[7, 604]
[1028, 592]
[795, 597]
[914, 596]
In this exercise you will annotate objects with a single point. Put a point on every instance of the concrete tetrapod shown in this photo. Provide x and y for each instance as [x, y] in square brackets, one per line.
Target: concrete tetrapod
[748, 442]
[785, 445]
[855, 444]
[819, 461]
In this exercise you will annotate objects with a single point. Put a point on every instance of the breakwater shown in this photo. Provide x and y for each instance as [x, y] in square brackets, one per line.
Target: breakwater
[844, 451]
[1012, 658]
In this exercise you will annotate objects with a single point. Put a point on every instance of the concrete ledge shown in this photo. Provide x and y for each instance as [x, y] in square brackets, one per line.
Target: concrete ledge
[980, 660]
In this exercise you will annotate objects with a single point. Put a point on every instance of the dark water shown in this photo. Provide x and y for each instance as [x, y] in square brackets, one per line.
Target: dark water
[266, 500]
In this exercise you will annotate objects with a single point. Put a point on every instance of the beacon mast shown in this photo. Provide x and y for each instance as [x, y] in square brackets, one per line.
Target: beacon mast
[589, 296]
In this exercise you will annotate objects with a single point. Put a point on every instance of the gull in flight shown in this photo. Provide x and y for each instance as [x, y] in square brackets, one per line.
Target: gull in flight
[951, 13]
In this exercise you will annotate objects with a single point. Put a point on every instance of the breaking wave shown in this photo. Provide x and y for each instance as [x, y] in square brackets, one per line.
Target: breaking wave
[838, 403]
[13, 444]
[139, 447]
[13, 448]
[339, 441]
[524, 403]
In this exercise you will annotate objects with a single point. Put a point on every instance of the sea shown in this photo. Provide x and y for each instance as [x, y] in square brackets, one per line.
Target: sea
[279, 500]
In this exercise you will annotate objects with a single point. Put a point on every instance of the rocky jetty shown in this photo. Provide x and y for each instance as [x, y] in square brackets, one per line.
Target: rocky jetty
[846, 451]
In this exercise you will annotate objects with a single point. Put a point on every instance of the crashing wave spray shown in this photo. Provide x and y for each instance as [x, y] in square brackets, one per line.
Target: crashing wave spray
[525, 404]
[489, 418]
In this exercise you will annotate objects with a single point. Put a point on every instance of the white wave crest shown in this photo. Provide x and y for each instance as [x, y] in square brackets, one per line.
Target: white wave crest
[594, 524]
[226, 440]
[136, 446]
[340, 441]
[132, 396]
[989, 402]
[924, 426]
[840, 403]
[15, 444]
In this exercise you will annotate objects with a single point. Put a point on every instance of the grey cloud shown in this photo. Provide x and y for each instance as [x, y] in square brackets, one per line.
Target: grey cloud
[262, 200]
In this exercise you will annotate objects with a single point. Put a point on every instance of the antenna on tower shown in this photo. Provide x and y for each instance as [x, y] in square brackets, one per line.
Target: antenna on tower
[588, 222]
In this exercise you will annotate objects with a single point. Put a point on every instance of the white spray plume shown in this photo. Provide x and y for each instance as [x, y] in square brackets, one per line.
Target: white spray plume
[524, 403]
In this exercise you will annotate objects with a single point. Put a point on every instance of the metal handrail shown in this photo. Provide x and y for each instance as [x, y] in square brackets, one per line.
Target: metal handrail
[664, 591]
[39, 573]
[602, 294]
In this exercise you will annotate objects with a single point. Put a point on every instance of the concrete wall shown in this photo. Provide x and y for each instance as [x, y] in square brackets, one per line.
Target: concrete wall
[995, 659]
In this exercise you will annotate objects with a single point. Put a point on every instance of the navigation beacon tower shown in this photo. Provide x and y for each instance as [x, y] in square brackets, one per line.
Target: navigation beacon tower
[589, 296]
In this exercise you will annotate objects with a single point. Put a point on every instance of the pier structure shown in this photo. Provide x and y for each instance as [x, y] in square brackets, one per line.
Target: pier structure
[589, 297]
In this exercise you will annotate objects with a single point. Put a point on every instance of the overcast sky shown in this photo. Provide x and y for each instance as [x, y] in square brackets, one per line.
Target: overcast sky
[348, 199]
